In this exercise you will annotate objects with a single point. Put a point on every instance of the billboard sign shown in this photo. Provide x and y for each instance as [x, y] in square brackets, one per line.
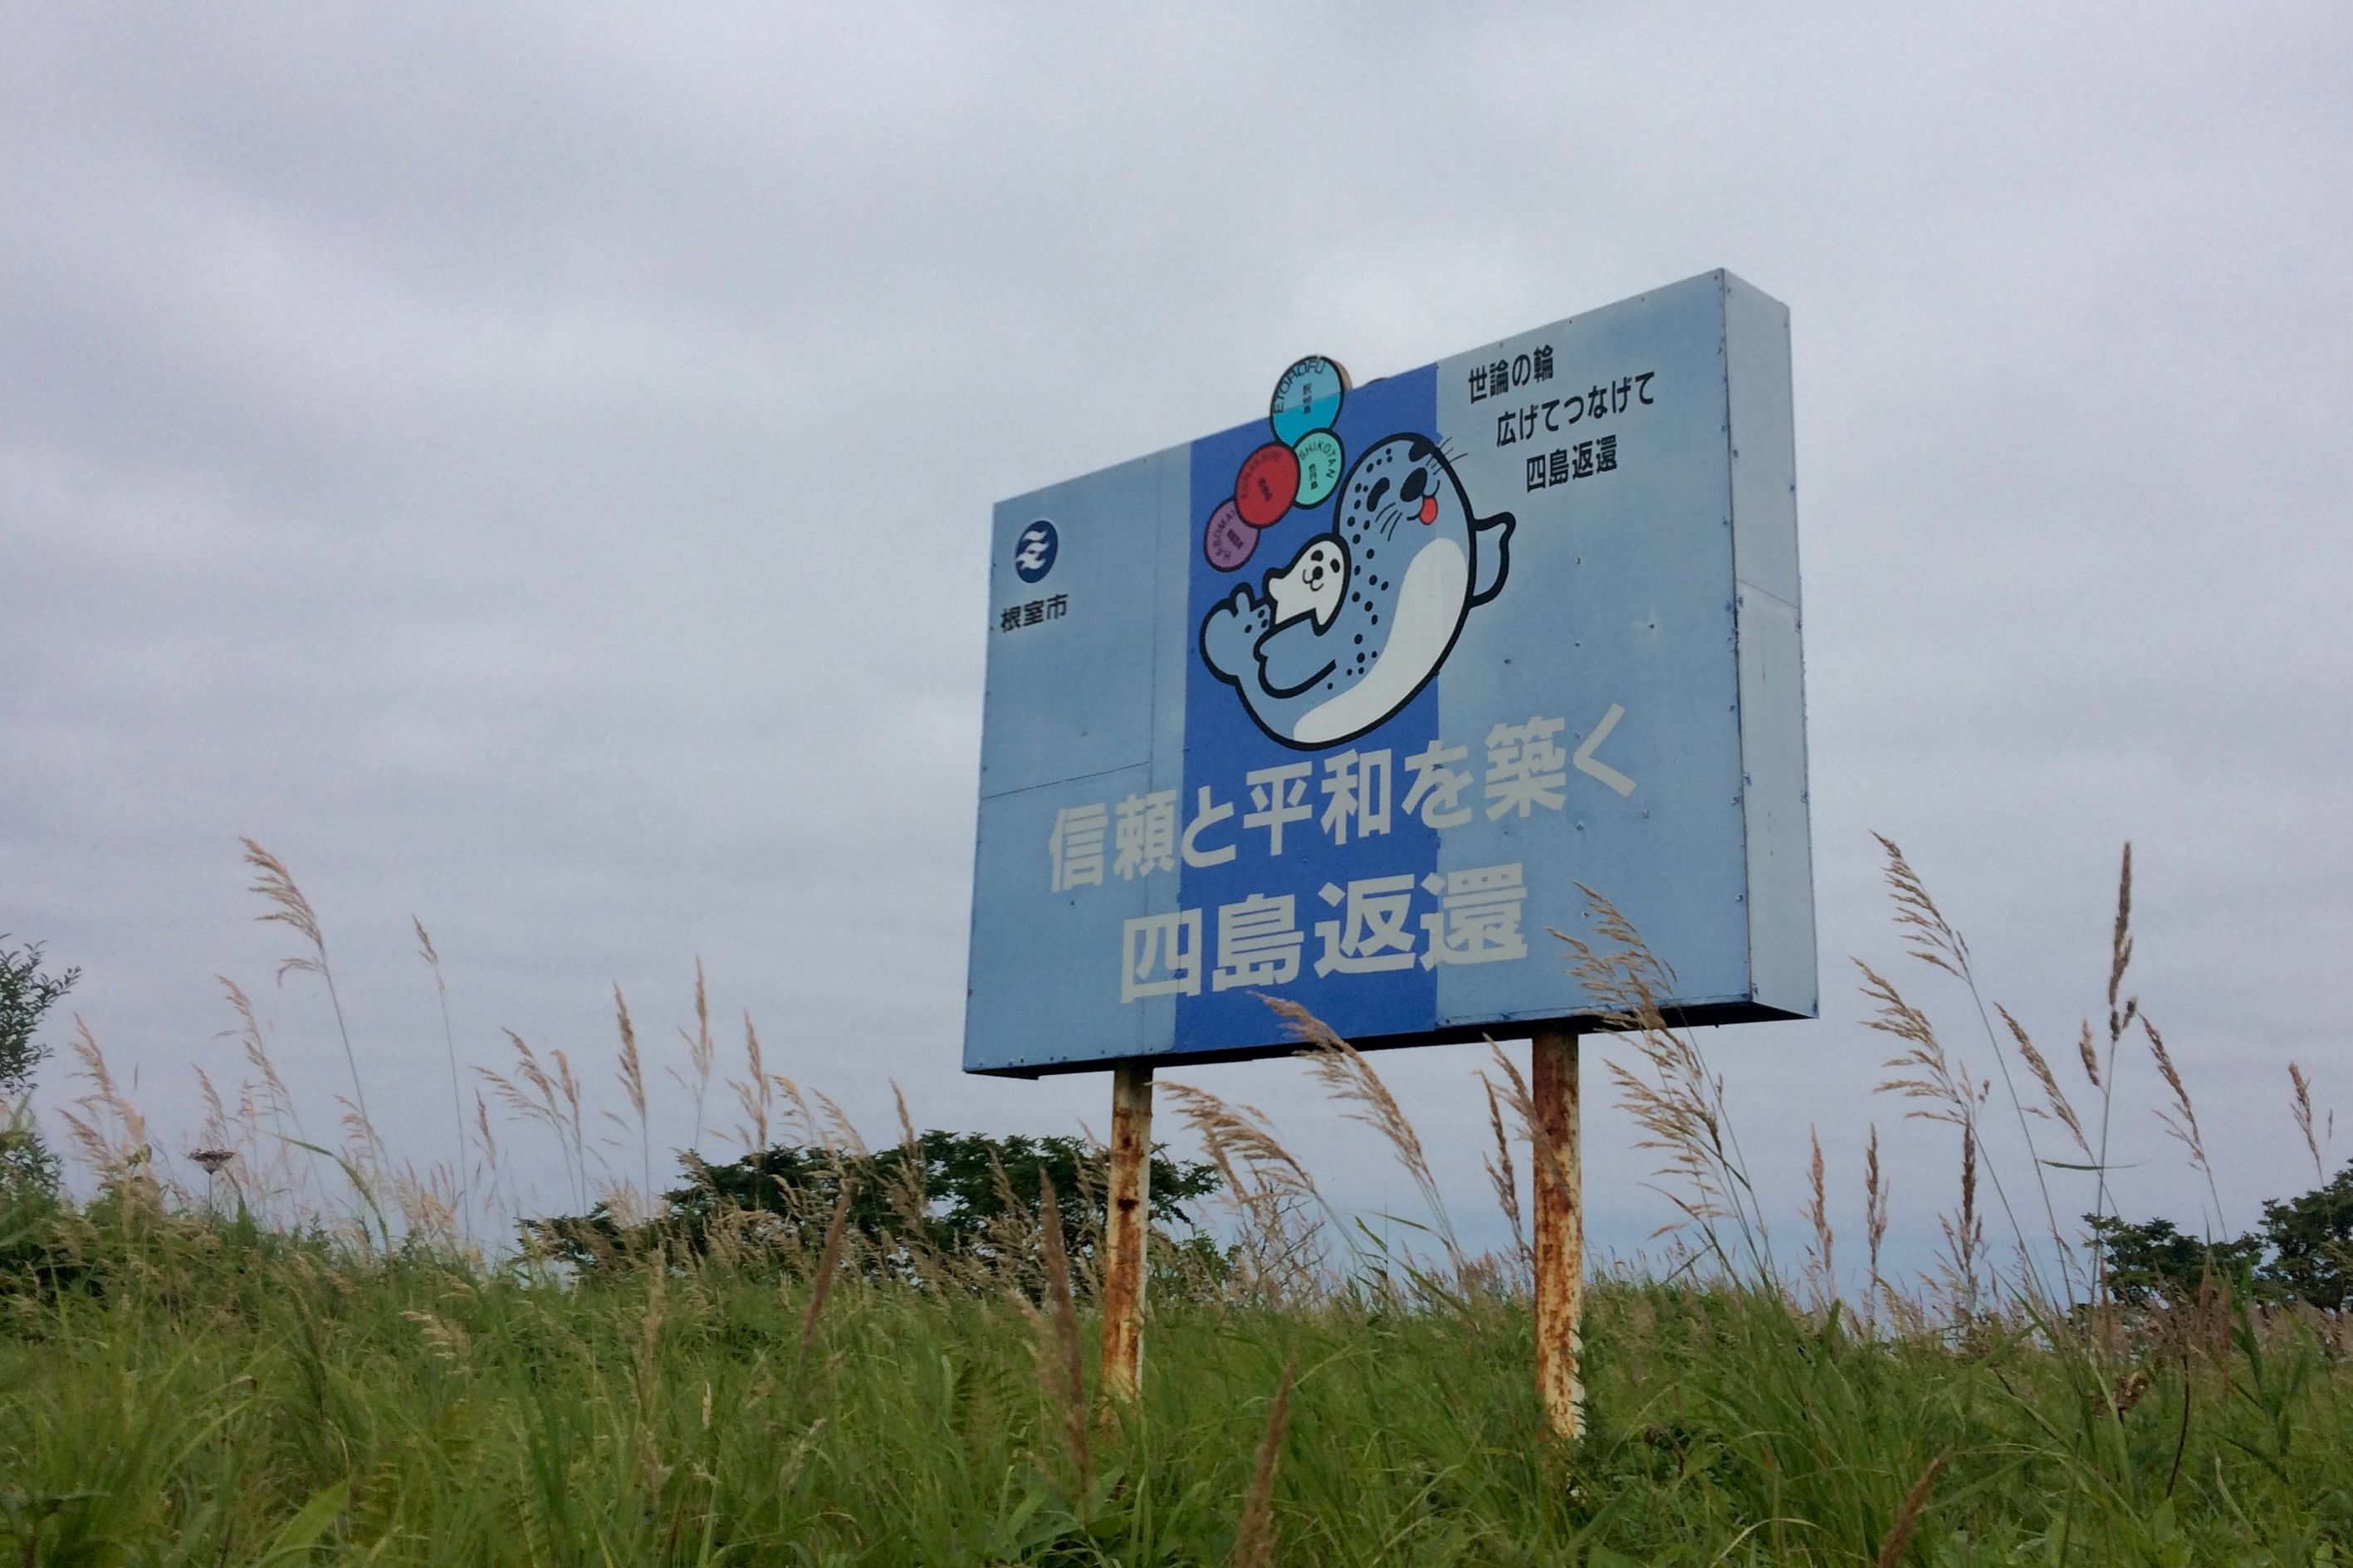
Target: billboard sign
[1342, 704]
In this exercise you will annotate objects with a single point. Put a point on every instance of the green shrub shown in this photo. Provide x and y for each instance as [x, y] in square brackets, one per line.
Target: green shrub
[964, 1197]
[2301, 1255]
[26, 995]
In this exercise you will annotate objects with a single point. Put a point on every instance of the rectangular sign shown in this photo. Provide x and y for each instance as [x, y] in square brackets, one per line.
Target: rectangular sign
[1342, 704]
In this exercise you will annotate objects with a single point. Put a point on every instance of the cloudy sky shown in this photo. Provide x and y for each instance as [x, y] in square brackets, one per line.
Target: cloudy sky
[531, 469]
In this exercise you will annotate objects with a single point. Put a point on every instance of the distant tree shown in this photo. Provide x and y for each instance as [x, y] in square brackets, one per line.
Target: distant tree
[26, 994]
[2150, 1263]
[2303, 1252]
[953, 1195]
[2311, 1241]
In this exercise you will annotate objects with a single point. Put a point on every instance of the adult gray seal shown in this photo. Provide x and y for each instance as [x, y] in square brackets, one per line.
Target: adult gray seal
[1333, 644]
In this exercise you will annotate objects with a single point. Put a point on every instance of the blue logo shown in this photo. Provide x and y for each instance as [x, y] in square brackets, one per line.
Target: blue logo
[1033, 557]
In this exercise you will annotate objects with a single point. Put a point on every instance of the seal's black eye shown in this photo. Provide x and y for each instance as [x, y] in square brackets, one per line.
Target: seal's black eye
[1414, 483]
[1373, 501]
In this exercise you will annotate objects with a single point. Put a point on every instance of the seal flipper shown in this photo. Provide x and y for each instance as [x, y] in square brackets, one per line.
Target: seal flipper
[1489, 555]
[1231, 631]
[1292, 658]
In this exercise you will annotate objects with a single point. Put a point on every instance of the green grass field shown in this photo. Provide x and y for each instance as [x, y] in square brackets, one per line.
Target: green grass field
[338, 1371]
[204, 1392]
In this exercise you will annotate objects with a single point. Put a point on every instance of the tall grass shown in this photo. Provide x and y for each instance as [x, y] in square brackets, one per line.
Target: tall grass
[312, 1356]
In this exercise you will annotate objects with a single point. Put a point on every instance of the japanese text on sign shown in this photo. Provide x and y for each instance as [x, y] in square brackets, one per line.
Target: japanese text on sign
[1034, 612]
[1473, 917]
[1354, 797]
[1603, 399]
[1496, 377]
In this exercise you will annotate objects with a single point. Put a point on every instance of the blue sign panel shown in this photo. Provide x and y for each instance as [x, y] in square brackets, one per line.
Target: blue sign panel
[1342, 705]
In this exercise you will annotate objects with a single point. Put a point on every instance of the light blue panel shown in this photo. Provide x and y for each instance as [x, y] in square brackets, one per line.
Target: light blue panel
[1608, 634]
[1621, 599]
[1172, 628]
[1084, 708]
[1764, 447]
[1784, 973]
[1073, 694]
[1044, 986]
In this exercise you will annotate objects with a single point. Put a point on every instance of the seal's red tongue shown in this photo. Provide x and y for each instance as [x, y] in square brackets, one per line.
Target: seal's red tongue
[1428, 509]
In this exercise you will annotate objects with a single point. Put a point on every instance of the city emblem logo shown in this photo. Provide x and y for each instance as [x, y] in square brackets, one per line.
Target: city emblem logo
[1033, 555]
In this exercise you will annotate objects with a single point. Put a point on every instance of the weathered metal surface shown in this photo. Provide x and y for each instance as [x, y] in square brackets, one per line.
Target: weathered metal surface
[1528, 618]
[1127, 1211]
[1559, 1232]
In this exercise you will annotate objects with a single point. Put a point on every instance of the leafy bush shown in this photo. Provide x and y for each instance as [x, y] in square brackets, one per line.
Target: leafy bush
[26, 994]
[2151, 1263]
[2311, 1238]
[975, 1199]
[2301, 1254]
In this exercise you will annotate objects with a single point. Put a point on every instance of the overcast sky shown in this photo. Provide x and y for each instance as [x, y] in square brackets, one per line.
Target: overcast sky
[531, 468]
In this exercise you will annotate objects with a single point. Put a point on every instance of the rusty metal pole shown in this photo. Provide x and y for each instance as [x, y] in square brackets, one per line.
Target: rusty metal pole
[1126, 1217]
[1560, 1232]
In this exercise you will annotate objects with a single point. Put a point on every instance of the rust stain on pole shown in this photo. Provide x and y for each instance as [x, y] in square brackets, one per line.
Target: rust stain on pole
[1126, 1214]
[1560, 1232]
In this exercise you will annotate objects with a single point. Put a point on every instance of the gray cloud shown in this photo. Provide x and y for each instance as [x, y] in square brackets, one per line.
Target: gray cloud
[530, 470]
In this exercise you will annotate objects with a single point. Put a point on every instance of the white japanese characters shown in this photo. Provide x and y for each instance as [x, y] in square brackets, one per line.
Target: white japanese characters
[1525, 769]
[1373, 931]
[1370, 925]
[1206, 816]
[1077, 847]
[1279, 795]
[1356, 792]
[1258, 942]
[1160, 956]
[1146, 839]
[1436, 790]
[1478, 916]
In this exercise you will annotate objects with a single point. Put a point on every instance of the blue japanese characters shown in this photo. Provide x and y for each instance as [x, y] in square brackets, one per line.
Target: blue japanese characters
[1351, 716]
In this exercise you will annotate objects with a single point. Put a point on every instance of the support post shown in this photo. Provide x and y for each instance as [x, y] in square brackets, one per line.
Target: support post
[1559, 1232]
[1126, 1223]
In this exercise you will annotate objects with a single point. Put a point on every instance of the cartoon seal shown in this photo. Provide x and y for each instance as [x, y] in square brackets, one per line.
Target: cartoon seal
[1346, 634]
